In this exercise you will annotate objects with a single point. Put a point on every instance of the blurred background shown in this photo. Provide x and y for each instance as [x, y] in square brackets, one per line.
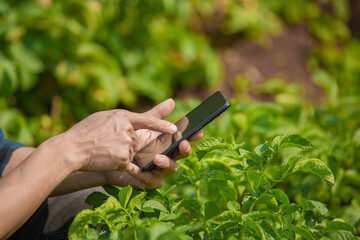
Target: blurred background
[63, 60]
[288, 66]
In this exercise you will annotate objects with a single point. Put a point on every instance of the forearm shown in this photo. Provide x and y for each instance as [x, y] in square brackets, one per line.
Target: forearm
[78, 181]
[24, 188]
[75, 182]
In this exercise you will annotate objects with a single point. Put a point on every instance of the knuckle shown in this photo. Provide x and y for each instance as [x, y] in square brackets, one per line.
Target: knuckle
[121, 113]
[143, 186]
[158, 184]
[127, 126]
[127, 140]
[149, 121]
[123, 155]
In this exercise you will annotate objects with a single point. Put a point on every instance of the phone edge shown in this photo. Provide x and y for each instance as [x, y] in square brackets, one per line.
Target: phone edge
[188, 135]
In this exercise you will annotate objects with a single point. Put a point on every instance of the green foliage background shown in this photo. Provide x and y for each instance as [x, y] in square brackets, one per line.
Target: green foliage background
[62, 60]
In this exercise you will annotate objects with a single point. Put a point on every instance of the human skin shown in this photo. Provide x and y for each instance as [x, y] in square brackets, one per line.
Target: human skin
[96, 151]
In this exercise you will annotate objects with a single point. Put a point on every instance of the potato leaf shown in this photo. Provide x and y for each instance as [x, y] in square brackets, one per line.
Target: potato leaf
[124, 195]
[230, 215]
[135, 200]
[155, 205]
[301, 231]
[280, 196]
[233, 205]
[211, 210]
[294, 140]
[210, 144]
[339, 225]
[318, 207]
[256, 227]
[316, 167]
[95, 199]
[227, 190]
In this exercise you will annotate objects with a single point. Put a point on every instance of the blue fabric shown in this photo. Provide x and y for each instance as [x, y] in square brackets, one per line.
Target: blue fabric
[6, 149]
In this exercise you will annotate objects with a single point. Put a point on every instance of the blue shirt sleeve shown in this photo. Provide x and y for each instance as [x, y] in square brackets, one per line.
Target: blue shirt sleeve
[6, 149]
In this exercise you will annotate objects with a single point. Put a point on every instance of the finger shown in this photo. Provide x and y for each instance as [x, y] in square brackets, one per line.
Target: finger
[136, 143]
[142, 121]
[136, 172]
[165, 163]
[184, 150]
[196, 136]
[162, 110]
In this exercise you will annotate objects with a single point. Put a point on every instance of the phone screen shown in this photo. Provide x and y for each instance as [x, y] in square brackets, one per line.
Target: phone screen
[187, 126]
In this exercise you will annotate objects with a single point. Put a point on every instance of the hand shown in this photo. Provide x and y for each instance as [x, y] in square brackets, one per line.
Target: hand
[155, 178]
[108, 141]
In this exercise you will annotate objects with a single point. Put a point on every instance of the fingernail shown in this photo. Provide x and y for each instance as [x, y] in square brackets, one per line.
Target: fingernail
[173, 128]
[161, 159]
[188, 148]
[130, 168]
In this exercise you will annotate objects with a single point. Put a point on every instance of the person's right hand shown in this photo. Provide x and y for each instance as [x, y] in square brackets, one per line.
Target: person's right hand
[107, 140]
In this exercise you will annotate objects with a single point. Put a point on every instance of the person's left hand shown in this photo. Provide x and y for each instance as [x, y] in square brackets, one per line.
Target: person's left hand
[165, 166]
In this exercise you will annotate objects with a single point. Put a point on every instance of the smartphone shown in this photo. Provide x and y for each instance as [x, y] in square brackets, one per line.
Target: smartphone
[187, 126]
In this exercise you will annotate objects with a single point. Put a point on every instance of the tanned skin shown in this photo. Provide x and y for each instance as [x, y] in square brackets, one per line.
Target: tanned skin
[94, 152]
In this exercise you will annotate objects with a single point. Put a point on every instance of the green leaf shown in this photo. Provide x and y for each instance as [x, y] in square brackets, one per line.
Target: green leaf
[230, 215]
[233, 205]
[225, 226]
[218, 175]
[319, 207]
[247, 202]
[167, 216]
[269, 228]
[111, 190]
[339, 235]
[124, 195]
[301, 232]
[208, 145]
[227, 190]
[190, 204]
[79, 226]
[287, 234]
[162, 231]
[255, 157]
[155, 205]
[26, 58]
[111, 205]
[269, 201]
[292, 208]
[184, 228]
[316, 167]
[295, 140]
[278, 140]
[262, 148]
[253, 179]
[136, 200]
[95, 199]
[91, 233]
[211, 210]
[256, 227]
[280, 196]
[335, 225]
[256, 215]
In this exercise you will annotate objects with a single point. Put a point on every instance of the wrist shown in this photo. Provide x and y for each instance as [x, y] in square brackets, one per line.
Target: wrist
[62, 150]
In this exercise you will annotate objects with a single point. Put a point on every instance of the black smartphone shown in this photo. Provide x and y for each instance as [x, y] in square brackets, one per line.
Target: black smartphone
[187, 126]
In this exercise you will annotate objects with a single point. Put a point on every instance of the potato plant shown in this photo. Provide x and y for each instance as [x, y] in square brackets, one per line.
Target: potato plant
[223, 191]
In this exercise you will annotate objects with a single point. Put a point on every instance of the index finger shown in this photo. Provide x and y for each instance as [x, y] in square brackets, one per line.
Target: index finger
[142, 121]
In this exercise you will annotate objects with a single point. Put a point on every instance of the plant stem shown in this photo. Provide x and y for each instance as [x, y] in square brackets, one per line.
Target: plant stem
[135, 235]
[251, 207]
[197, 190]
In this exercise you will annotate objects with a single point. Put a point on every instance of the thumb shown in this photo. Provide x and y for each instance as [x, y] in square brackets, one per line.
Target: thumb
[162, 110]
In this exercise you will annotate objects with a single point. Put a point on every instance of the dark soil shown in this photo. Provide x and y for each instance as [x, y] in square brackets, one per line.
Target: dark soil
[283, 56]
